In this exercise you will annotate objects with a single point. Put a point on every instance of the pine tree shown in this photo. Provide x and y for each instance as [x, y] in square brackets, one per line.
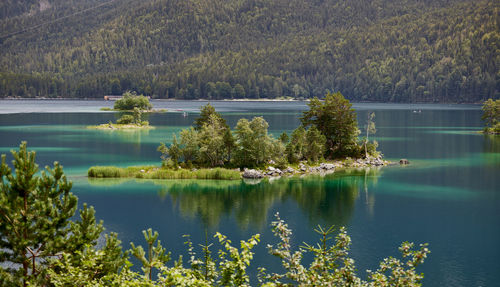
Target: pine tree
[35, 213]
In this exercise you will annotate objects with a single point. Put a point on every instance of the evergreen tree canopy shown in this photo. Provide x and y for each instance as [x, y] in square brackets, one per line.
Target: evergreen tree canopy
[35, 213]
[384, 50]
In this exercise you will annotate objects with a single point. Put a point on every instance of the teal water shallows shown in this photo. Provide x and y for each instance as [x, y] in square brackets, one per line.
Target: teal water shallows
[449, 196]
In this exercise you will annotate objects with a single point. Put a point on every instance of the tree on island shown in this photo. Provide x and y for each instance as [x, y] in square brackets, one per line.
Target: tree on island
[131, 100]
[491, 115]
[254, 146]
[370, 130]
[336, 120]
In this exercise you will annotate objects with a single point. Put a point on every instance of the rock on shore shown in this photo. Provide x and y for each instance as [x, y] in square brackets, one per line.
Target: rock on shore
[323, 168]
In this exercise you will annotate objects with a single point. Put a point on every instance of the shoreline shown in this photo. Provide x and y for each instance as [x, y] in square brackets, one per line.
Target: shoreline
[239, 100]
[221, 173]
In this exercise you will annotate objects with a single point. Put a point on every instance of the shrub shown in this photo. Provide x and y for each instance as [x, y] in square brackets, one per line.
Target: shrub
[331, 264]
[125, 120]
[131, 100]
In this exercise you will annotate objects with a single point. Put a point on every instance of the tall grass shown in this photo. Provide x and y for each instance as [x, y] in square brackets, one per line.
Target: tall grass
[149, 172]
[106, 171]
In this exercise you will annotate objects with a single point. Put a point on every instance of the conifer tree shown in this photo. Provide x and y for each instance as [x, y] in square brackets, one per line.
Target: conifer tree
[35, 213]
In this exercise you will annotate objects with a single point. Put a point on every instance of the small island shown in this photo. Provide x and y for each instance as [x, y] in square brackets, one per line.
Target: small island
[134, 106]
[327, 140]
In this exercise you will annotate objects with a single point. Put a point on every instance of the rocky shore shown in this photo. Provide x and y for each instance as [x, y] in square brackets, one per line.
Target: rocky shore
[323, 168]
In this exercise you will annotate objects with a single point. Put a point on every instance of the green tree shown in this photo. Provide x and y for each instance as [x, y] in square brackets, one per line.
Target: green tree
[35, 213]
[239, 91]
[91, 266]
[229, 143]
[205, 113]
[131, 100]
[284, 138]
[296, 148]
[190, 142]
[212, 141]
[137, 116]
[173, 152]
[334, 118]
[253, 142]
[125, 120]
[370, 130]
[315, 144]
[491, 115]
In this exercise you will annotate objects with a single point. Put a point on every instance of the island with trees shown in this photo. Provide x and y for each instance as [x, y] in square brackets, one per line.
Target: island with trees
[326, 140]
[43, 243]
[132, 106]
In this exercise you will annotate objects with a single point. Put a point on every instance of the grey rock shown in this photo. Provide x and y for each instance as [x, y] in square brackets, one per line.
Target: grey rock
[252, 173]
[327, 166]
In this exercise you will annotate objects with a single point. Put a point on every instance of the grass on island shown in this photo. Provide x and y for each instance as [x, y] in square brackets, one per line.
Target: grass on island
[111, 127]
[154, 172]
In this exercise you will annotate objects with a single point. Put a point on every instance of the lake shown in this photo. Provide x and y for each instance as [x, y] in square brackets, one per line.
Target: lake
[449, 195]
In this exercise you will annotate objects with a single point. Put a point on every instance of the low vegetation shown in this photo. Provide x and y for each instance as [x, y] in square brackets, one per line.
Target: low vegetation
[153, 172]
[491, 115]
[125, 122]
[42, 244]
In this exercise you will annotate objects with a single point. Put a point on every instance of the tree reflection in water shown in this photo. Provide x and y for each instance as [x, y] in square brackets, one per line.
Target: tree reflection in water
[329, 198]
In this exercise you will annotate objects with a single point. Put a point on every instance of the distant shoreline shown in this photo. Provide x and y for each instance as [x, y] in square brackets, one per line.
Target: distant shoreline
[232, 100]
[163, 100]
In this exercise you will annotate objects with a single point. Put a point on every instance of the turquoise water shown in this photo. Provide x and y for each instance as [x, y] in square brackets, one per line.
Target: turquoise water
[449, 196]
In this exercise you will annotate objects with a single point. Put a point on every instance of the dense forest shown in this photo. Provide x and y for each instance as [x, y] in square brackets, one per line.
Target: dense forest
[382, 50]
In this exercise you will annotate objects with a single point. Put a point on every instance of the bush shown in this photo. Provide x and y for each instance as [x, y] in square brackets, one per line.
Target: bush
[129, 101]
[331, 264]
[125, 120]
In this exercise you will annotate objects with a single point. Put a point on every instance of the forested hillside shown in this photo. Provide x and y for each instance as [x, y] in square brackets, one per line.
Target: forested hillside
[370, 50]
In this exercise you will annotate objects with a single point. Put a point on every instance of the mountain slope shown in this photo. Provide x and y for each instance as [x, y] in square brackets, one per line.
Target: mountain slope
[385, 50]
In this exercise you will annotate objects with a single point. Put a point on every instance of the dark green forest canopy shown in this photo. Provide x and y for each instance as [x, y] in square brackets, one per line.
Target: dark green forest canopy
[386, 50]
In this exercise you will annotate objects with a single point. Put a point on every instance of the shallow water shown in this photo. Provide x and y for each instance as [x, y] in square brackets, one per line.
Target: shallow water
[449, 196]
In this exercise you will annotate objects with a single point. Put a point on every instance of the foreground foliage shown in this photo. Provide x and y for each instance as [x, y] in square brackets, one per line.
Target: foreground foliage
[331, 264]
[35, 213]
[34, 220]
